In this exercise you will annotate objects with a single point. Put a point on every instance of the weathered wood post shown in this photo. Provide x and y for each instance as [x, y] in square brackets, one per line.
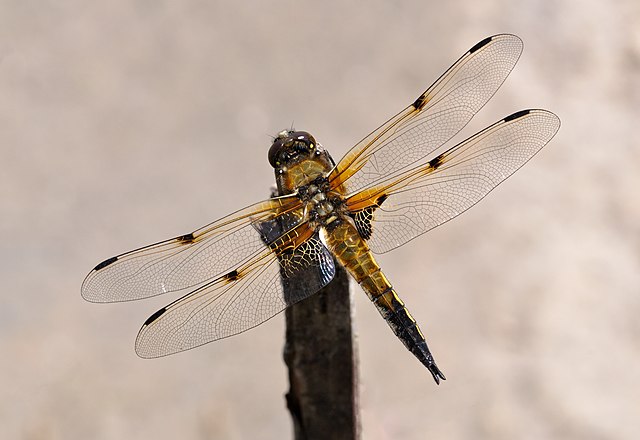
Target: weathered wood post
[320, 352]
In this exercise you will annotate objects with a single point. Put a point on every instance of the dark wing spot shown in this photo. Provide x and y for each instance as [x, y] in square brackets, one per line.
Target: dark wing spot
[105, 263]
[231, 276]
[480, 45]
[364, 217]
[420, 102]
[517, 115]
[436, 161]
[155, 316]
[185, 239]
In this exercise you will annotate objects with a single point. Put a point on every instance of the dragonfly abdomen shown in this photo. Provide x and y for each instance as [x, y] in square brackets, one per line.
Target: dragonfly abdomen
[406, 328]
[354, 254]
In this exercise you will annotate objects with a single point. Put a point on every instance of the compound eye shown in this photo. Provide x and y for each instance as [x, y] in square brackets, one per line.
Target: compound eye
[305, 138]
[288, 144]
[274, 153]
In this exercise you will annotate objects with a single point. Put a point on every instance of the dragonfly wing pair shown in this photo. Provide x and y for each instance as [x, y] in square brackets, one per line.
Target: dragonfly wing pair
[237, 266]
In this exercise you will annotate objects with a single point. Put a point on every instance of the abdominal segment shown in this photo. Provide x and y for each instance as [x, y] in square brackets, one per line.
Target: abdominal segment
[353, 253]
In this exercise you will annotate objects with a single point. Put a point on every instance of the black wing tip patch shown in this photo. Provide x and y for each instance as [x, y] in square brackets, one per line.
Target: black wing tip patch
[155, 316]
[480, 45]
[517, 115]
[105, 263]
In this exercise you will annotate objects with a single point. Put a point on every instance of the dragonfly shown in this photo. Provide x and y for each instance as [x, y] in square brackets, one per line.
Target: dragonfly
[397, 183]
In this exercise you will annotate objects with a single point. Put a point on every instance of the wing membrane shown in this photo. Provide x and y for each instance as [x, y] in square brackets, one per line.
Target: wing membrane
[189, 260]
[241, 299]
[434, 118]
[426, 196]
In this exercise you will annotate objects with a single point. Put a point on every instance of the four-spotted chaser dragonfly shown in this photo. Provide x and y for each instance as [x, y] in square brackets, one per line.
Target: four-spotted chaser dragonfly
[383, 193]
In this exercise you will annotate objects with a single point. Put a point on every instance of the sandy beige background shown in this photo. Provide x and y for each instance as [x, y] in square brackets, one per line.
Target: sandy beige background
[126, 122]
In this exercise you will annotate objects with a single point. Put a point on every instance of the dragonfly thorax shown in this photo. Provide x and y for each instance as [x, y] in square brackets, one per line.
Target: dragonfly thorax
[321, 205]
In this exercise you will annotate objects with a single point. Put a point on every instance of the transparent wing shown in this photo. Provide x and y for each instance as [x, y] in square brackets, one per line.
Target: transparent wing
[189, 260]
[242, 298]
[398, 210]
[434, 118]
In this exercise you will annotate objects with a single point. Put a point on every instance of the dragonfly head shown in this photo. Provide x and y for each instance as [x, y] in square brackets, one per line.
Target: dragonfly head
[290, 145]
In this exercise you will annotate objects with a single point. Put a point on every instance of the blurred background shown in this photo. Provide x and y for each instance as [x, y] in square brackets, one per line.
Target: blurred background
[126, 122]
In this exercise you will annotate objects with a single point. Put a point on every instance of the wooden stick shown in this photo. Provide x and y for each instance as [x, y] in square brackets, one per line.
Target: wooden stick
[321, 356]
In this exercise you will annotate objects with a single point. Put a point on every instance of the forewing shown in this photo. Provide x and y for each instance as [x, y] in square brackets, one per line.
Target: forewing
[242, 298]
[189, 260]
[398, 210]
[434, 118]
